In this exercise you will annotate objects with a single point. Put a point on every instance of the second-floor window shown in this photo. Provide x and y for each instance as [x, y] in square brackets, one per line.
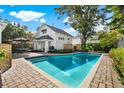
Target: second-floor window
[44, 31]
[59, 38]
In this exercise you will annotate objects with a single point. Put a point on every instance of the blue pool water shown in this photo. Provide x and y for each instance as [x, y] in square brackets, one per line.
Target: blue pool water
[70, 69]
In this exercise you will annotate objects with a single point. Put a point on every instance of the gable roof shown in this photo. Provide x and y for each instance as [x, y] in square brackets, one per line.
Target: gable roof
[58, 30]
[2, 26]
[44, 37]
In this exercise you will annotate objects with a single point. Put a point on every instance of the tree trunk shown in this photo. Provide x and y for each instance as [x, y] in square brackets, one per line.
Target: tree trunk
[83, 41]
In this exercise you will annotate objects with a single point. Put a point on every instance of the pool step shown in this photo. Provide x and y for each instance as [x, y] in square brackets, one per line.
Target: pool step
[73, 66]
[39, 60]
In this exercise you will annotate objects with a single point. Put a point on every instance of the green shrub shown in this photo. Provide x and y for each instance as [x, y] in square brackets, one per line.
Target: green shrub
[118, 57]
[63, 51]
[117, 54]
[2, 54]
[87, 47]
[97, 47]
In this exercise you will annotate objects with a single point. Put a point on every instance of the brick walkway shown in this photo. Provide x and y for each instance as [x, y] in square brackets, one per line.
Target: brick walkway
[22, 75]
[106, 76]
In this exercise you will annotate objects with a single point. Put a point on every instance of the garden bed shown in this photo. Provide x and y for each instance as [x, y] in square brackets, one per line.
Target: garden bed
[118, 62]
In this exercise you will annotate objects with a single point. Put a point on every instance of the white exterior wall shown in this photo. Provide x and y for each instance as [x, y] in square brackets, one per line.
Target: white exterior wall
[49, 32]
[76, 40]
[60, 43]
[2, 26]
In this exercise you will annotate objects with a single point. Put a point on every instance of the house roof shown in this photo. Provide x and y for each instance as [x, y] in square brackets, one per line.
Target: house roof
[2, 26]
[44, 37]
[58, 30]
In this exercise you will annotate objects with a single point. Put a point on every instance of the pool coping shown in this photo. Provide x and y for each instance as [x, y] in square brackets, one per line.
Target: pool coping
[49, 77]
[47, 55]
[84, 84]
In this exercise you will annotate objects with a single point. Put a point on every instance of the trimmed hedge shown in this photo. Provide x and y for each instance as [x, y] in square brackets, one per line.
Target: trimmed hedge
[117, 55]
[63, 51]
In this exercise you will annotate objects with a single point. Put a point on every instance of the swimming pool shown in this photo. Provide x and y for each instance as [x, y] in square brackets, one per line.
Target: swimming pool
[71, 69]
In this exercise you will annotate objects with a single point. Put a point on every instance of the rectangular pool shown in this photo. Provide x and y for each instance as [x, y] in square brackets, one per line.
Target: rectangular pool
[71, 69]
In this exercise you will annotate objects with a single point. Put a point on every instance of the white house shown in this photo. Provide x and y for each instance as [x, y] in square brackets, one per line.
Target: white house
[76, 42]
[120, 43]
[93, 40]
[47, 36]
[2, 26]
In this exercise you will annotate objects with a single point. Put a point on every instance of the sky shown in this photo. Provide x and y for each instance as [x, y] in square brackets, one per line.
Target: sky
[34, 15]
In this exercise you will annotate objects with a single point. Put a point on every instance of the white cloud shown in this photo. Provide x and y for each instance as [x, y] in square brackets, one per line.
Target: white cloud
[13, 13]
[1, 10]
[71, 31]
[65, 20]
[27, 16]
[36, 20]
[42, 20]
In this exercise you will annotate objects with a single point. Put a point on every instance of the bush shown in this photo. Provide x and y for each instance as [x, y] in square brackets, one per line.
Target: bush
[118, 57]
[97, 47]
[87, 47]
[63, 51]
[109, 40]
[2, 54]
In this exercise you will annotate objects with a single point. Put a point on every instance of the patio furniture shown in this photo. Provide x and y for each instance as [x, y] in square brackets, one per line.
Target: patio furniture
[21, 41]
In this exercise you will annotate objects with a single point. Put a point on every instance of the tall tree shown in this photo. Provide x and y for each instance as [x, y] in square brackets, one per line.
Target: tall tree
[11, 32]
[109, 40]
[82, 18]
[116, 16]
[30, 36]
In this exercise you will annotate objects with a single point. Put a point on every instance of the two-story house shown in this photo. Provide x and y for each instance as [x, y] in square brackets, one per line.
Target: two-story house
[2, 27]
[47, 36]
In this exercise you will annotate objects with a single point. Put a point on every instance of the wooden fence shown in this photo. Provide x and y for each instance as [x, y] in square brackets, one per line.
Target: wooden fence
[77, 47]
[5, 62]
[67, 46]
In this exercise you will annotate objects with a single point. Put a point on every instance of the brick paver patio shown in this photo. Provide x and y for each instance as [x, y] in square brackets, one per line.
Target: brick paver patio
[22, 75]
[106, 76]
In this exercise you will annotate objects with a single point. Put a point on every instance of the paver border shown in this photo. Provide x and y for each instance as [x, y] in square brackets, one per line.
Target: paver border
[52, 79]
[85, 83]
